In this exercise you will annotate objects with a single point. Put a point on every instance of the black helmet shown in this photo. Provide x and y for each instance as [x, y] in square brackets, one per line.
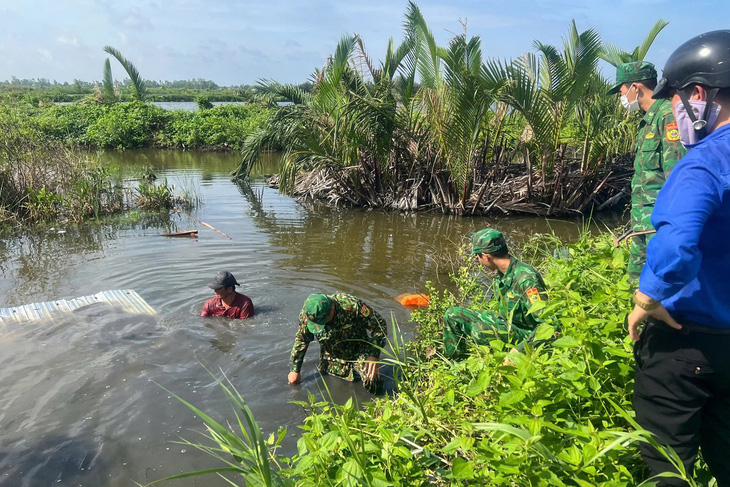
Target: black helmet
[703, 60]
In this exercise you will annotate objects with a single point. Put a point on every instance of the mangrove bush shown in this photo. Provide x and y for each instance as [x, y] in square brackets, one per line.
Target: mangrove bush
[443, 127]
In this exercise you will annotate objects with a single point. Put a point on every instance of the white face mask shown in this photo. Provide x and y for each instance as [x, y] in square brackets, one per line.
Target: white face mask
[632, 106]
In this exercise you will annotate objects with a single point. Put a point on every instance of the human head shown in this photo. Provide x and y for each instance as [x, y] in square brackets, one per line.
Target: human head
[318, 309]
[635, 82]
[695, 75]
[489, 241]
[223, 279]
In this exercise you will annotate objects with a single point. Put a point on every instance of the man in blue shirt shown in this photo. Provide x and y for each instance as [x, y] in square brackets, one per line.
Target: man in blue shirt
[682, 388]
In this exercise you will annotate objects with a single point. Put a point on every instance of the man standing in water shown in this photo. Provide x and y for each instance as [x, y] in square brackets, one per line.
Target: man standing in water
[518, 286]
[682, 387]
[227, 302]
[657, 151]
[350, 334]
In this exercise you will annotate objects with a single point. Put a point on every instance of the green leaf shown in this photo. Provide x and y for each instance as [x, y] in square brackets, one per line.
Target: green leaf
[478, 385]
[544, 332]
[460, 442]
[511, 397]
[566, 342]
[461, 469]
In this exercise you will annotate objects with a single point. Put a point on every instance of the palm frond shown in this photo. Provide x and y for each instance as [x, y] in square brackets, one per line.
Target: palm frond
[107, 87]
[140, 90]
[643, 48]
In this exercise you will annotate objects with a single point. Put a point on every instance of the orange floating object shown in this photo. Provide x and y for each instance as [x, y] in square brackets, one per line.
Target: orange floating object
[415, 300]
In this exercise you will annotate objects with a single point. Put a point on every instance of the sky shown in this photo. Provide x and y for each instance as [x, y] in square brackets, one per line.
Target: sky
[242, 42]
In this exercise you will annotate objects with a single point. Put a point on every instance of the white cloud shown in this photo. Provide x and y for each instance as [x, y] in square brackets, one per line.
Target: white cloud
[71, 41]
[45, 55]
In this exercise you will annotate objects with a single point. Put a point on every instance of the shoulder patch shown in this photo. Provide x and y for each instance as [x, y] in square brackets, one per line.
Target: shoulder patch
[365, 311]
[650, 135]
[533, 295]
[672, 132]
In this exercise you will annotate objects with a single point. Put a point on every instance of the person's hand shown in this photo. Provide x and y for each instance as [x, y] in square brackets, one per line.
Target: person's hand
[638, 315]
[295, 377]
[372, 368]
[635, 318]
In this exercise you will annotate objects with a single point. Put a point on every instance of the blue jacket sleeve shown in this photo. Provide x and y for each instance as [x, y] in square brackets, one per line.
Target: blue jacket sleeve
[685, 203]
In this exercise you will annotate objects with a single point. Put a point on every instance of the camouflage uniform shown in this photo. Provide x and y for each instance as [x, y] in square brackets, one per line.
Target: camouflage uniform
[658, 150]
[517, 290]
[353, 335]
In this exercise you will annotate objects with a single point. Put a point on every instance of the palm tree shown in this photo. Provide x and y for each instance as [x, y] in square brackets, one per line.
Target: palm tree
[431, 123]
[138, 86]
[545, 90]
[615, 55]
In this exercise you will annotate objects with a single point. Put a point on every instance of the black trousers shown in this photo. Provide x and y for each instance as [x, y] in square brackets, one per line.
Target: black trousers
[682, 395]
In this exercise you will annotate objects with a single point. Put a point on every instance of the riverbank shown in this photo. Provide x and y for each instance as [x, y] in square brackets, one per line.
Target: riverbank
[133, 124]
[41, 180]
[557, 415]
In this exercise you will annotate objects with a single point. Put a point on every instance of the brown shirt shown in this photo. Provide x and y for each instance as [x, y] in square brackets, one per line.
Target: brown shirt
[241, 308]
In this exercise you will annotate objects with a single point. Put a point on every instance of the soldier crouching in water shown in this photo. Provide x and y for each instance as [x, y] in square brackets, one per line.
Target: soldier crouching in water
[349, 333]
[518, 286]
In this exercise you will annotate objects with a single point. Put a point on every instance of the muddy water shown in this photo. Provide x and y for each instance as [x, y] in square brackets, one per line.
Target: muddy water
[81, 397]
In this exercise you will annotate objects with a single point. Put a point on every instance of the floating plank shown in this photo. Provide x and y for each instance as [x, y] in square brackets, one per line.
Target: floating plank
[187, 233]
[126, 300]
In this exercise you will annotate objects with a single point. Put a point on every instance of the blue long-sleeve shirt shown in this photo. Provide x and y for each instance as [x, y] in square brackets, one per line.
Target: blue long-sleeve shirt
[688, 261]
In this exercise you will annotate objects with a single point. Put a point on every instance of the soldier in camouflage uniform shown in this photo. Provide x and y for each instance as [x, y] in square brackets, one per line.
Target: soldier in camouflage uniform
[658, 149]
[349, 333]
[518, 286]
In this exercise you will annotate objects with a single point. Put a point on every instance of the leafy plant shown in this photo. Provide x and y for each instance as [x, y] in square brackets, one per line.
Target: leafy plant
[556, 415]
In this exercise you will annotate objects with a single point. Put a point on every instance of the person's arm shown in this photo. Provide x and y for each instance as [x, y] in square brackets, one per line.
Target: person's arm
[246, 310]
[673, 257]
[301, 343]
[377, 332]
[206, 310]
[532, 290]
[672, 148]
[376, 328]
[684, 204]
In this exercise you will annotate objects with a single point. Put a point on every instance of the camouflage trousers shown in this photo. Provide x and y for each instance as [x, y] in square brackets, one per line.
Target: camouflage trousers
[637, 255]
[349, 370]
[481, 326]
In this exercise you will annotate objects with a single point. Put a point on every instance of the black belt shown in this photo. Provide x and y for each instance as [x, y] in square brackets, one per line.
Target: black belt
[687, 328]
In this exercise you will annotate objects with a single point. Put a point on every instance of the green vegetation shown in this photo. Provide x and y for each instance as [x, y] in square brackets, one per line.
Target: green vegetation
[132, 125]
[45, 91]
[441, 127]
[558, 415]
[40, 180]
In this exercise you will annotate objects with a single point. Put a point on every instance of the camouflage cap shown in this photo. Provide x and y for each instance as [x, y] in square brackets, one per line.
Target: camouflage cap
[487, 241]
[630, 72]
[317, 308]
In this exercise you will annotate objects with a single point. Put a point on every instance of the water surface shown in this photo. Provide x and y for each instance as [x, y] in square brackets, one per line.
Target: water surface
[82, 399]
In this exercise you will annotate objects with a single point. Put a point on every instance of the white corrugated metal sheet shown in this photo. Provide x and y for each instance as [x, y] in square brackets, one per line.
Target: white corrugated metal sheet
[123, 299]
